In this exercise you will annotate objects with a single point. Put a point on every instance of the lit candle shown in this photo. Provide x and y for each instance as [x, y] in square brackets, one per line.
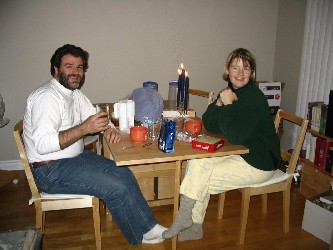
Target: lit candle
[187, 83]
[182, 83]
[179, 87]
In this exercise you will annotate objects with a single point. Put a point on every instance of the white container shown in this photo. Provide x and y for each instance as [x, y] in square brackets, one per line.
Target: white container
[124, 111]
[318, 221]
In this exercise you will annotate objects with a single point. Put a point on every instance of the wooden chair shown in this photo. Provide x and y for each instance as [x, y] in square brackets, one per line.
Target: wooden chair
[280, 182]
[91, 142]
[209, 95]
[50, 202]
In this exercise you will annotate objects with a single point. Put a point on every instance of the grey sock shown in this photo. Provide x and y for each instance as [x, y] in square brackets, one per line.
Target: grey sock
[194, 232]
[183, 219]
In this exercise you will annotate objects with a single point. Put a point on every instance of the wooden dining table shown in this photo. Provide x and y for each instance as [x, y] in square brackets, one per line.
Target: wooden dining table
[151, 162]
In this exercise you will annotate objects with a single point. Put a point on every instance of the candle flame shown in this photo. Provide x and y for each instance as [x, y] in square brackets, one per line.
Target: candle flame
[179, 71]
[186, 73]
[182, 65]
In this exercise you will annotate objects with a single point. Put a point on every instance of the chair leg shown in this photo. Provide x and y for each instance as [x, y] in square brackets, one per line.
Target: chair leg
[108, 215]
[286, 209]
[244, 213]
[40, 216]
[220, 205]
[97, 223]
[264, 203]
[43, 220]
[103, 207]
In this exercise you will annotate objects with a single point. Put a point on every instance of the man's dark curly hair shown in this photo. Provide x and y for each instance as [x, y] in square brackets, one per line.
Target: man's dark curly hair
[65, 50]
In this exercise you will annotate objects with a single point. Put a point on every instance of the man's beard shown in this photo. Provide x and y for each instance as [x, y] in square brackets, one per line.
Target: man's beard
[64, 80]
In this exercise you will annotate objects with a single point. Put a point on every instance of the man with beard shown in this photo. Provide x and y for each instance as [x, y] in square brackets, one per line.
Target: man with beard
[57, 118]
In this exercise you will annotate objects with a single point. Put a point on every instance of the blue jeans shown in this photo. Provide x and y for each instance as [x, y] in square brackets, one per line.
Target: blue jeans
[92, 174]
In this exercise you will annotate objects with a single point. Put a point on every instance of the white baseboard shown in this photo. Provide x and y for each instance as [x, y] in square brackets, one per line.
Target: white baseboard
[11, 165]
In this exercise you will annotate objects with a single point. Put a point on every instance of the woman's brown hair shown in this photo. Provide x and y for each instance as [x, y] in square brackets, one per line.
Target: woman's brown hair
[247, 58]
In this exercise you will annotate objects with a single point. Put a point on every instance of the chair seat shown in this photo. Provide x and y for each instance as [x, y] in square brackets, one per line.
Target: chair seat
[47, 196]
[277, 177]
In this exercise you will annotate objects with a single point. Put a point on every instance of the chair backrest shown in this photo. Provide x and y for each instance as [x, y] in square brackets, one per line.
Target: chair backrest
[292, 158]
[18, 129]
[202, 93]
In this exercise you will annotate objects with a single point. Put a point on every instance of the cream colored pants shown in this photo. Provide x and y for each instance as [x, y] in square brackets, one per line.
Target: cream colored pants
[208, 176]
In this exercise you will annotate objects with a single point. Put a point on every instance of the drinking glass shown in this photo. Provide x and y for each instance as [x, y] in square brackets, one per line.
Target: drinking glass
[103, 108]
[154, 129]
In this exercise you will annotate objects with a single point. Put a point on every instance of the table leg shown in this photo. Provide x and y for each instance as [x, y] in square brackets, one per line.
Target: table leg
[176, 198]
[106, 150]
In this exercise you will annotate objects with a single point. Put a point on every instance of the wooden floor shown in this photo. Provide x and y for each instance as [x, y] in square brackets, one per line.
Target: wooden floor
[73, 229]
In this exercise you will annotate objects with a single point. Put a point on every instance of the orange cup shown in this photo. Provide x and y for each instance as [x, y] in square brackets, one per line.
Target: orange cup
[139, 134]
[193, 126]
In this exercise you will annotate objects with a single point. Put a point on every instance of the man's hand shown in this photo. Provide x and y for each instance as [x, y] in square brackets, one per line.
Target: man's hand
[94, 124]
[112, 135]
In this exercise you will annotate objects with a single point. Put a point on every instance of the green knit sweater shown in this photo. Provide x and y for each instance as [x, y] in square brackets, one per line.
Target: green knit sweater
[247, 121]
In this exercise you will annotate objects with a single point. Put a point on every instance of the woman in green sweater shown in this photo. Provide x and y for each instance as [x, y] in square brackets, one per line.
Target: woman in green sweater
[241, 113]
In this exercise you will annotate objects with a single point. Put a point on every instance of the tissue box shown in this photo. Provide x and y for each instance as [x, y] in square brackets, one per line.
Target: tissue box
[208, 143]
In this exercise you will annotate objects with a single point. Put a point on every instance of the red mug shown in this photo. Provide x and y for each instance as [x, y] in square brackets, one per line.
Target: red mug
[139, 134]
[193, 126]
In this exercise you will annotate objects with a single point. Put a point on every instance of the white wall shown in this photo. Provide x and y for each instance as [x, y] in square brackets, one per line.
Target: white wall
[129, 42]
[289, 41]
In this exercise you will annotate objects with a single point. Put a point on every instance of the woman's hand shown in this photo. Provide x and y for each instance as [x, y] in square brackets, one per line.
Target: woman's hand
[227, 96]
